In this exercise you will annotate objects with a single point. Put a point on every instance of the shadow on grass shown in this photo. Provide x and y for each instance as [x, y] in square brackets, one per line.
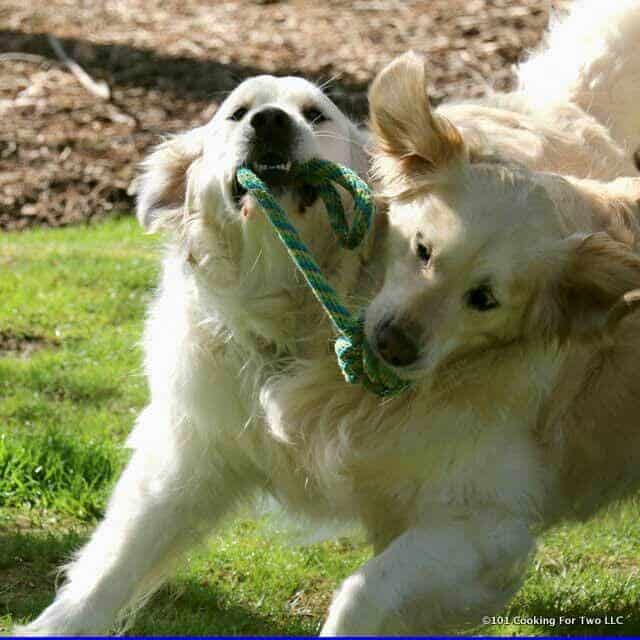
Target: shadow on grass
[29, 563]
[190, 607]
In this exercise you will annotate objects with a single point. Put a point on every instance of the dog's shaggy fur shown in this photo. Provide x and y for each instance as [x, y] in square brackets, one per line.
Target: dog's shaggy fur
[513, 411]
[230, 314]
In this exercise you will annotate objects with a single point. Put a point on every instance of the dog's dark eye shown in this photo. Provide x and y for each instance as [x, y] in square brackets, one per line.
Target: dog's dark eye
[423, 252]
[481, 298]
[314, 116]
[238, 114]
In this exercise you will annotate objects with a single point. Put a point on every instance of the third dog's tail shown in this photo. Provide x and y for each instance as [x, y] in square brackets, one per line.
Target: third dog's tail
[591, 57]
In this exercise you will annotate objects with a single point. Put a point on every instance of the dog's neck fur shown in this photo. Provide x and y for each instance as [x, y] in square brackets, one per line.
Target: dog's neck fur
[249, 289]
[315, 411]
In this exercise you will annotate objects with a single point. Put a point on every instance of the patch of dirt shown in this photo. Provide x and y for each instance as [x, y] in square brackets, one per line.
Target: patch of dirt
[23, 581]
[67, 156]
[22, 345]
[312, 600]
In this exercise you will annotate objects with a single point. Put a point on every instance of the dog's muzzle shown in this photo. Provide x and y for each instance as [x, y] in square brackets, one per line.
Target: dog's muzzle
[271, 146]
[271, 155]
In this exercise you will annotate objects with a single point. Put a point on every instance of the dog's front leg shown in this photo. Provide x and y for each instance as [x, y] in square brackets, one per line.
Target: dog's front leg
[169, 495]
[447, 574]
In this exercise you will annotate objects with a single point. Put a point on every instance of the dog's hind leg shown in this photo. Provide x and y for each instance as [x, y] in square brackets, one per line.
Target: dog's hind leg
[167, 499]
[591, 58]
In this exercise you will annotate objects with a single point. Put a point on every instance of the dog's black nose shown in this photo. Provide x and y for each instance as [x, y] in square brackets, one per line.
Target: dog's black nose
[274, 126]
[395, 346]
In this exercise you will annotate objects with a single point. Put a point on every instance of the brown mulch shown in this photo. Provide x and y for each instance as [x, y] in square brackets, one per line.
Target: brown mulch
[67, 156]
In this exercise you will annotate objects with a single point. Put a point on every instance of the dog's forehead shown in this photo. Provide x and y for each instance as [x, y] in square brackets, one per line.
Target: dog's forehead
[467, 233]
[290, 89]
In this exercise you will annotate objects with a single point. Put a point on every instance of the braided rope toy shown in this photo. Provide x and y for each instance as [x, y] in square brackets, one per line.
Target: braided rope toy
[359, 364]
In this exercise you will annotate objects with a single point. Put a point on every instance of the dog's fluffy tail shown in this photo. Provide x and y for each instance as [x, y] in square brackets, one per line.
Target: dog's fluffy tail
[591, 57]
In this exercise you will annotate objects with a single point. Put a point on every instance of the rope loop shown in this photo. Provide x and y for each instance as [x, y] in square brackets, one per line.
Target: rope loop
[357, 361]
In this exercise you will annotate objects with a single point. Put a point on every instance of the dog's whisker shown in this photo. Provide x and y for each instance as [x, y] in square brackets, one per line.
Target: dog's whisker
[333, 136]
[327, 83]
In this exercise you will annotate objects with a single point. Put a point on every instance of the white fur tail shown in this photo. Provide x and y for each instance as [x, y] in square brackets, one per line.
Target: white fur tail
[591, 57]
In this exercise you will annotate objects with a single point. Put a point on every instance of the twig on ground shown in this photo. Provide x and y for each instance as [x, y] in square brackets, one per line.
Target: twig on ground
[98, 88]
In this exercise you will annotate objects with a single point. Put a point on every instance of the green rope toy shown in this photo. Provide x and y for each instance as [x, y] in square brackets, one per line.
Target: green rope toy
[355, 357]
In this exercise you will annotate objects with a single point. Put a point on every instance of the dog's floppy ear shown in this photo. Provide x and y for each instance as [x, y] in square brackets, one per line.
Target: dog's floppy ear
[162, 185]
[599, 284]
[407, 132]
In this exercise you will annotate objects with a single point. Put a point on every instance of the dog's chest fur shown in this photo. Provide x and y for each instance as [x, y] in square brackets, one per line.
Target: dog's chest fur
[471, 444]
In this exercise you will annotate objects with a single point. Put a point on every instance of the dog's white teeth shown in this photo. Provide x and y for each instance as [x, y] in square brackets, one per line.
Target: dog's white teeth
[284, 166]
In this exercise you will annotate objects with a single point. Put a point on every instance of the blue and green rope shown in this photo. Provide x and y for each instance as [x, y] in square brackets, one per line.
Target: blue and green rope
[358, 362]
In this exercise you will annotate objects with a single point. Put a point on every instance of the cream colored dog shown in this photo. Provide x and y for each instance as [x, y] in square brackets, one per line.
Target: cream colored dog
[509, 301]
[503, 302]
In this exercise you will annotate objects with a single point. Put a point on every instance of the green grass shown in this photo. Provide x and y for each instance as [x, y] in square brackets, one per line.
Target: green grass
[75, 300]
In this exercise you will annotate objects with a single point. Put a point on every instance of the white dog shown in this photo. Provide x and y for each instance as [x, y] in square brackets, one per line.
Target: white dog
[448, 478]
[231, 312]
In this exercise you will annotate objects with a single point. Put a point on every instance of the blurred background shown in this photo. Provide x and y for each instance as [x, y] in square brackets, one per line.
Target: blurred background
[68, 154]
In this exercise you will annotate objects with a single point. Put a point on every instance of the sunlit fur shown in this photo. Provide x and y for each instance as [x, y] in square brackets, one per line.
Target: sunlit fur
[524, 412]
[450, 478]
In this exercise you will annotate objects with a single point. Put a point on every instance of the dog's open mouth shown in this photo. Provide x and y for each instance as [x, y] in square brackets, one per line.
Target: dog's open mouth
[274, 169]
